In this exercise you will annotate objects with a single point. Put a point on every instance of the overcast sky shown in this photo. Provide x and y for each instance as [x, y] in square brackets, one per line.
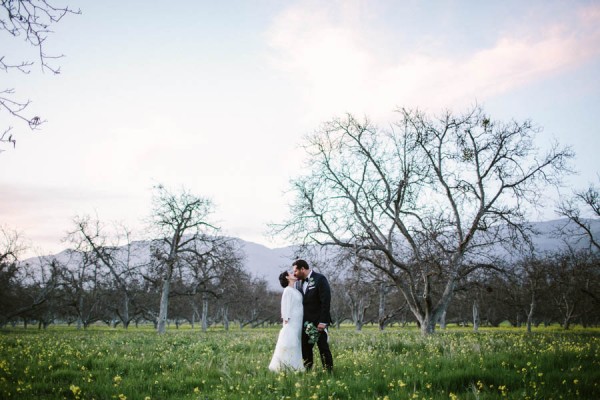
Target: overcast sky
[216, 96]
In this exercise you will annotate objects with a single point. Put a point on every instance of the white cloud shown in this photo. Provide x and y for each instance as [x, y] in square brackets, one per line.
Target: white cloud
[332, 58]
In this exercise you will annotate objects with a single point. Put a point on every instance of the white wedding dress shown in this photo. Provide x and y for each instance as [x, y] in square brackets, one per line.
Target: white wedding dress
[288, 350]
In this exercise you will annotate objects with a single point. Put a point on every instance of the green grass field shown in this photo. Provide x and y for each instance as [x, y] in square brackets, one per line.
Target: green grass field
[102, 363]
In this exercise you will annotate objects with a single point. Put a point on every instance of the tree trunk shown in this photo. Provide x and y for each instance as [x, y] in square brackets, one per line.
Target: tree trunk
[194, 313]
[427, 325]
[125, 318]
[443, 320]
[381, 306]
[204, 312]
[475, 316]
[164, 305]
[358, 313]
[568, 313]
[530, 313]
[426, 314]
[226, 317]
[79, 319]
[358, 324]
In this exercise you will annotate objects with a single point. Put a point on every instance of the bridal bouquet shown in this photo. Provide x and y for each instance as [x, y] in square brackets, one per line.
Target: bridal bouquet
[312, 332]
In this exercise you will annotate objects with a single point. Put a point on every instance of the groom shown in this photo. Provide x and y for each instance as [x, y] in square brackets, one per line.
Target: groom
[317, 297]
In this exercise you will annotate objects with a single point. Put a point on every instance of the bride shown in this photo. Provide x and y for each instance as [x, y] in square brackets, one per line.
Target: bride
[288, 350]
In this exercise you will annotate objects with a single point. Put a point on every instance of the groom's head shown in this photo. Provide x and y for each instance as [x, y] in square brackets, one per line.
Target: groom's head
[301, 269]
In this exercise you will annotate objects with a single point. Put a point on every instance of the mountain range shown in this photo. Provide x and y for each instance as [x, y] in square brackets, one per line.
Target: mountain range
[268, 263]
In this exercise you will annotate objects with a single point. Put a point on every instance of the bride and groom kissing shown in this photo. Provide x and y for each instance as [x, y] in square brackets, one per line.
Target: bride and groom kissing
[304, 307]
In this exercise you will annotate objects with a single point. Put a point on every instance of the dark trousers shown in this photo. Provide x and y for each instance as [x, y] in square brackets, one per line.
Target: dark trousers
[307, 352]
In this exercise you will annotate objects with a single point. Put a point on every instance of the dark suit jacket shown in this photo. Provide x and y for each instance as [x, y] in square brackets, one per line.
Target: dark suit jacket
[317, 300]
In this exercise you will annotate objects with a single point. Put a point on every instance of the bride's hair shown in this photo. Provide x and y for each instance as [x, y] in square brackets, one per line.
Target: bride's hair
[283, 279]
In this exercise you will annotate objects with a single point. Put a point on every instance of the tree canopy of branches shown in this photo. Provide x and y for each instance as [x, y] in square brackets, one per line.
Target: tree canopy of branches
[579, 209]
[112, 252]
[431, 195]
[29, 21]
[24, 288]
[10, 248]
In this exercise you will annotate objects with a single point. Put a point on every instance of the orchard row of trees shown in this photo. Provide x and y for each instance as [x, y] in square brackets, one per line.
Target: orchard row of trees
[562, 288]
[79, 287]
[106, 276]
[83, 291]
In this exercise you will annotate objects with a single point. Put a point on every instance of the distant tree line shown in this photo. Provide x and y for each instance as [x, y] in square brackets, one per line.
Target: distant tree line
[85, 292]
[561, 288]
[79, 288]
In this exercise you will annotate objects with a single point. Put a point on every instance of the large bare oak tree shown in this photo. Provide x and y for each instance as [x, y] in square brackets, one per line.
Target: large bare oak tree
[431, 194]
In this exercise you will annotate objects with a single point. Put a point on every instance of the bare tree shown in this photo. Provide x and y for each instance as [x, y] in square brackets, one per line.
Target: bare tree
[246, 300]
[256, 304]
[29, 21]
[376, 278]
[80, 275]
[359, 297]
[534, 276]
[580, 209]
[566, 288]
[357, 293]
[206, 270]
[181, 220]
[113, 252]
[24, 288]
[39, 291]
[431, 195]
[11, 247]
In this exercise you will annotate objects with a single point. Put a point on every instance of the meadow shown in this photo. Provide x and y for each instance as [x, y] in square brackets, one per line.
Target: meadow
[102, 363]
